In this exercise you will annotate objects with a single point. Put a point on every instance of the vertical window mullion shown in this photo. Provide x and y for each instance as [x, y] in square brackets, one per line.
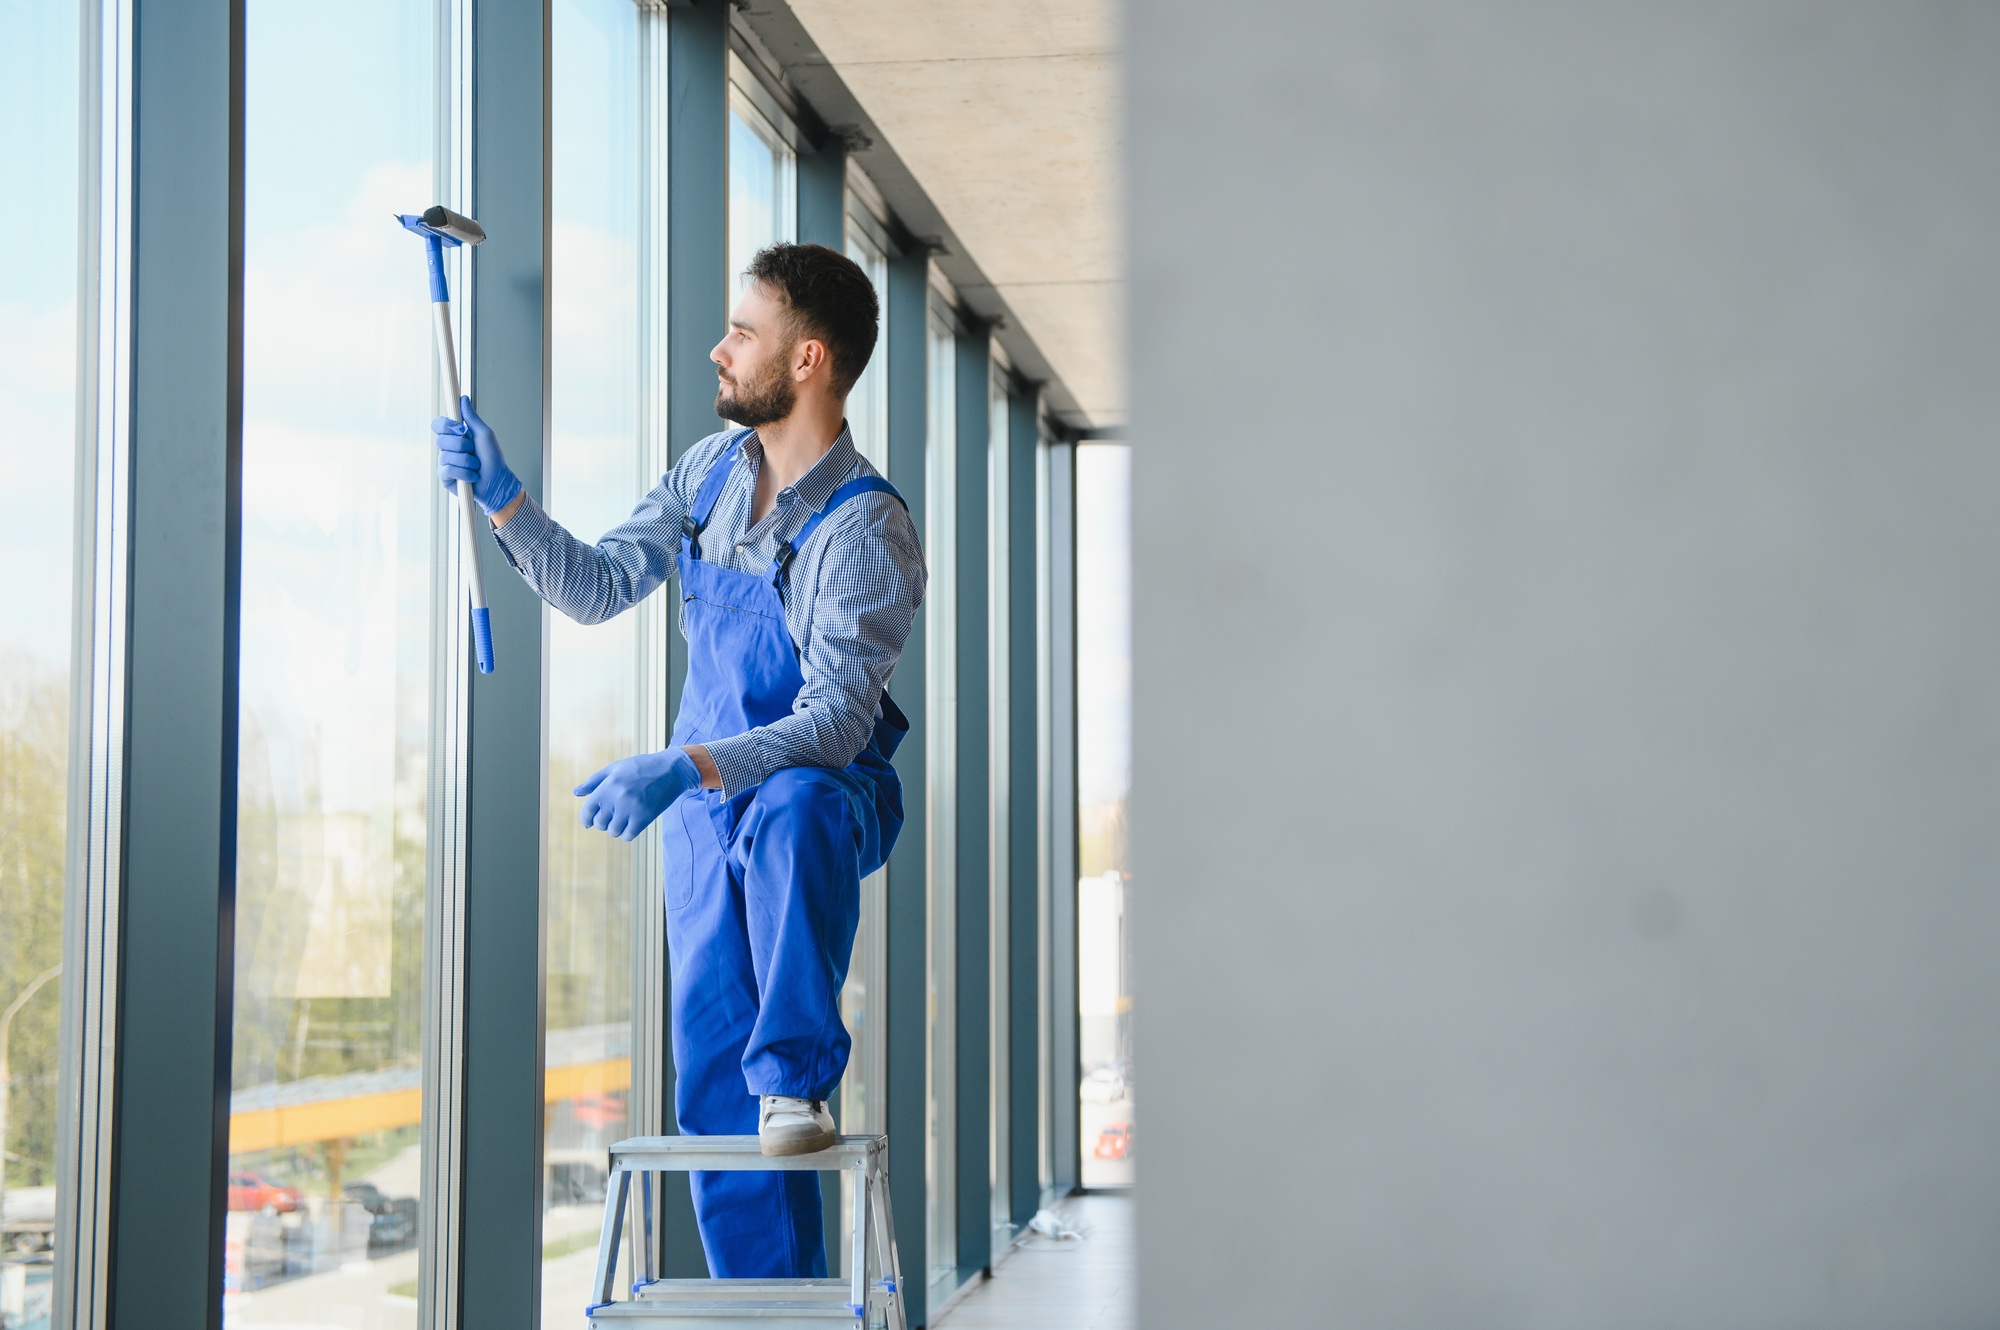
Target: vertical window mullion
[88, 1031]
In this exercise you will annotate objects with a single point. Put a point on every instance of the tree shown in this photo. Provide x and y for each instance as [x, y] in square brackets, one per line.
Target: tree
[34, 727]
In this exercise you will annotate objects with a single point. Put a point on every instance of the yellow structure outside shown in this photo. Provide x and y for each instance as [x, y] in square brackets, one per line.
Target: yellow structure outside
[357, 1115]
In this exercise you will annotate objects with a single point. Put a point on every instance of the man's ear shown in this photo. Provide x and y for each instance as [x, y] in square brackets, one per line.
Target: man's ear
[811, 355]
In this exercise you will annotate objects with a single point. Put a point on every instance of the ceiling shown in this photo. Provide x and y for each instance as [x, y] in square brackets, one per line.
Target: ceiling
[1006, 112]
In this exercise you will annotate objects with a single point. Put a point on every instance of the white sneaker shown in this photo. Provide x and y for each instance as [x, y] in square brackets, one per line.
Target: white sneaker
[788, 1126]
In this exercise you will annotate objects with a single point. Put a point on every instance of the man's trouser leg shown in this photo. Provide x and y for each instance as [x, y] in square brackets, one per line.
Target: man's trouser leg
[760, 930]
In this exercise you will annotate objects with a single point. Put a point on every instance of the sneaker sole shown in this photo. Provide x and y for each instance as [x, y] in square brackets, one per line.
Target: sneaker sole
[807, 1145]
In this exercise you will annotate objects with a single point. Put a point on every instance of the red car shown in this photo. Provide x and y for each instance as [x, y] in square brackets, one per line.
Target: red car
[251, 1190]
[1115, 1141]
[598, 1111]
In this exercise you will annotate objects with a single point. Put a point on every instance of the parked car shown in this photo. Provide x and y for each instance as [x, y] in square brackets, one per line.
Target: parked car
[392, 1220]
[1105, 1085]
[251, 1190]
[28, 1220]
[1114, 1142]
[599, 1110]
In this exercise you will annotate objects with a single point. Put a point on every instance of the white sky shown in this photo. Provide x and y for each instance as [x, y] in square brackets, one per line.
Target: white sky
[1104, 621]
[38, 237]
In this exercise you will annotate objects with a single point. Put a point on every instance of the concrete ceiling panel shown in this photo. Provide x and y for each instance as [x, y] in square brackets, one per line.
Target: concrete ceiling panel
[1008, 116]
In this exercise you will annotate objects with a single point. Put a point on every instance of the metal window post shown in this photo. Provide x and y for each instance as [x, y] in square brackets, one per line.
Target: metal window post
[908, 919]
[499, 1230]
[175, 964]
[821, 209]
[697, 306]
[973, 1155]
[1065, 1161]
[1023, 438]
[822, 185]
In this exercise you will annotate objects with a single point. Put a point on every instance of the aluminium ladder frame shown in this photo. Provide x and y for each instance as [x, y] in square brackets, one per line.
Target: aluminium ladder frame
[769, 1304]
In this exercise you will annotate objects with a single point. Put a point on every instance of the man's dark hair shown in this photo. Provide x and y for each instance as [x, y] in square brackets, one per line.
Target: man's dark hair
[830, 298]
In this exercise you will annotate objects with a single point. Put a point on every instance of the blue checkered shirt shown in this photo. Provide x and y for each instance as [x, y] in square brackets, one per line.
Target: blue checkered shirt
[863, 575]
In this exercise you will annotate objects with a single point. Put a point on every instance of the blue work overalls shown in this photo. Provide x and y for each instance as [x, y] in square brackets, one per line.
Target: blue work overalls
[763, 895]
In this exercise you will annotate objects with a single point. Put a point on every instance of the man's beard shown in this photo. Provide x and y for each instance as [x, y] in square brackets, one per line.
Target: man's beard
[759, 403]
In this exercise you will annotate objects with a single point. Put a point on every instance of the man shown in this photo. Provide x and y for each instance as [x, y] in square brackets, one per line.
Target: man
[800, 576]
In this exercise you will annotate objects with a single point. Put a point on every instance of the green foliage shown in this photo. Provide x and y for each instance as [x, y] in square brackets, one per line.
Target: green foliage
[589, 979]
[34, 749]
[285, 1038]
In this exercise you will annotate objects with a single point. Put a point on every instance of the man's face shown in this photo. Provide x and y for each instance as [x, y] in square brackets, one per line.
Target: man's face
[754, 362]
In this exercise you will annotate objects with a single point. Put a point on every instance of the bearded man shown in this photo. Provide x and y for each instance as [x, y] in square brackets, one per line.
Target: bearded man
[800, 575]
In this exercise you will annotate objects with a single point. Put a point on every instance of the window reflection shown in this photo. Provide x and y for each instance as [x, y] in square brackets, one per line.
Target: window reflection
[596, 474]
[339, 493]
[39, 63]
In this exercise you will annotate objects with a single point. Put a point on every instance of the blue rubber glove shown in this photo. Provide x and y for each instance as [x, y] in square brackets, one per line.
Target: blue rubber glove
[468, 451]
[625, 797]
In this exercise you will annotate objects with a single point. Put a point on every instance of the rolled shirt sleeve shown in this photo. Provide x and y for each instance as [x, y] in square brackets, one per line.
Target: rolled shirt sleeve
[851, 596]
[592, 583]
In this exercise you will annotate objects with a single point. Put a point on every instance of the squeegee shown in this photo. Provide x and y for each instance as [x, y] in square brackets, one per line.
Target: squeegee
[440, 226]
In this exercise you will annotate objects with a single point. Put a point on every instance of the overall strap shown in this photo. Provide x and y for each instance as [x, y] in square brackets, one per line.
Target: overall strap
[852, 489]
[711, 490]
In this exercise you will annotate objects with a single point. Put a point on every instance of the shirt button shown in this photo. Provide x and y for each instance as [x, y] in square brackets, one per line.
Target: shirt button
[741, 546]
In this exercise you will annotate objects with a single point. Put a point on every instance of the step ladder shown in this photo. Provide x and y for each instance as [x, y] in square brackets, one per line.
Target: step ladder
[870, 1296]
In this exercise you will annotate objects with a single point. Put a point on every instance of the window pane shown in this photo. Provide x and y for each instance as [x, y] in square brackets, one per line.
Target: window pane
[868, 400]
[596, 474]
[339, 493]
[39, 61]
[761, 191]
[941, 799]
[867, 420]
[1104, 775]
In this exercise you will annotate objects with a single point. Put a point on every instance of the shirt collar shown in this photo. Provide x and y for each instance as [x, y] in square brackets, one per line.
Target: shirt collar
[819, 482]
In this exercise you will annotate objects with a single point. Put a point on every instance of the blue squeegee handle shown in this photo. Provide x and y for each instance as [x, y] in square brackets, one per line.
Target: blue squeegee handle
[471, 519]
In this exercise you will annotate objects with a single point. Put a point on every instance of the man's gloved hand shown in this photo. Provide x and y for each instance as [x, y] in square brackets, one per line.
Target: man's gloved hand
[468, 451]
[625, 797]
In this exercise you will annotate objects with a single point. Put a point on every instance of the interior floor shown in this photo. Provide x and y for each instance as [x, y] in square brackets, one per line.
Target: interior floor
[1085, 1284]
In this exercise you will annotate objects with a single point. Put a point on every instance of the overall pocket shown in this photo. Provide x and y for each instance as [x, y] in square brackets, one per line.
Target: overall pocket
[677, 856]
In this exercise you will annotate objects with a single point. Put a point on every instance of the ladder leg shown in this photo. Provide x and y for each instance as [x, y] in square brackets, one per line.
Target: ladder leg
[857, 1255]
[885, 1238]
[643, 1261]
[607, 1240]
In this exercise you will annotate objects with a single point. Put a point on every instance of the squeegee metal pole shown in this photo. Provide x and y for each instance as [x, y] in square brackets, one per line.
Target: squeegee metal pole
[475, 583]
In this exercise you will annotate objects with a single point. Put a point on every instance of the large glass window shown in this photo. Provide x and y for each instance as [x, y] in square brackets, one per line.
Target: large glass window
[39, 63]
[763, 193]
[868, 400]
[1104, 775]
[340, 503]
[941, 799]
[597, 885]
[868, 423]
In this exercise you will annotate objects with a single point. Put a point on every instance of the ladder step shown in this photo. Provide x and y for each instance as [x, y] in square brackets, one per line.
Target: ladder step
[768, 1315]
[810, 1291]
[673, 1154]
[766, 1304]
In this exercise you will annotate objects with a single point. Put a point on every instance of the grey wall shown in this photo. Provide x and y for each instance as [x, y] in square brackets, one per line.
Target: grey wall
[1566, 758]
